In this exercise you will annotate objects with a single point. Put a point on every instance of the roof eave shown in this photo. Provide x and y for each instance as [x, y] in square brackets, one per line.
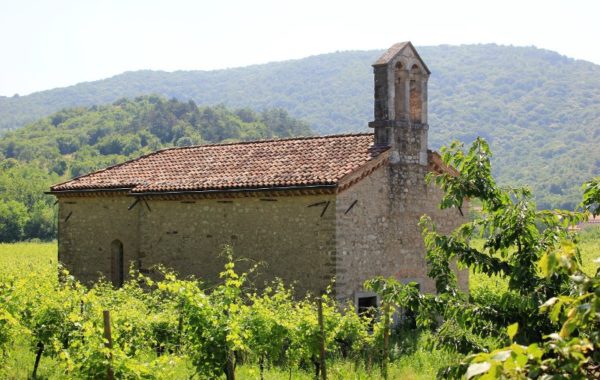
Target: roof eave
[236, 190]
[128, 191]
[92, 190]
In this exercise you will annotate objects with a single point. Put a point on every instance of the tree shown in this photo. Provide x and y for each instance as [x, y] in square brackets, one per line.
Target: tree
[41, 223]
[13, 218]
[591, 196]
[67, 144]
[536, 254]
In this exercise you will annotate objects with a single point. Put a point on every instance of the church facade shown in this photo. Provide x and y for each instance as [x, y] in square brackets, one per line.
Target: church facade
[312, 209]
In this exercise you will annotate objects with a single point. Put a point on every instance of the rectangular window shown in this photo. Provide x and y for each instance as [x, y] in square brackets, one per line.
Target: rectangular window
[367, 304]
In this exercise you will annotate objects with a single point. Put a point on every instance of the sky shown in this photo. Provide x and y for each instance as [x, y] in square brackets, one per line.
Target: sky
[55, 43]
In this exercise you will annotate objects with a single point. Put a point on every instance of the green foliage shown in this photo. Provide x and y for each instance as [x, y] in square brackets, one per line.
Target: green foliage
[537, 255]
[268, 324]
[74, 142]
[13, 218]
[272, 328]
[146, 316]
[42, 221]
[591, 196]
[9, 324]
[394, 293]
[25, 212]
[159, 322]
[572, 352]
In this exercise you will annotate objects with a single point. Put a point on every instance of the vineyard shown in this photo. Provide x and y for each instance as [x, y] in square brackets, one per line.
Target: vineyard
[174, 329]
[533, 309]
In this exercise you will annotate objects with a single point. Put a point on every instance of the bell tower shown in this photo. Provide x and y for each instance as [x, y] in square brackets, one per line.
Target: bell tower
[400, 108]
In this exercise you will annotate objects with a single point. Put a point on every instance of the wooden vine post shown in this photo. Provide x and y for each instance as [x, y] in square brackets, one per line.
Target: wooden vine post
[230, 357]
[321, 339]
[180, 325]
[108, 336]
[38, 356]
[230, 365]
[386, 340]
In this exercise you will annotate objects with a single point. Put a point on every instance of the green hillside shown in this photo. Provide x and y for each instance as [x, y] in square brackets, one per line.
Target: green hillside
[76, 141]
[539, 110]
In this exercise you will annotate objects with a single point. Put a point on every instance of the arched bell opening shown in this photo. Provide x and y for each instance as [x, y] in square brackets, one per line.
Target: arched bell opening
[416, 95]
[400, 77]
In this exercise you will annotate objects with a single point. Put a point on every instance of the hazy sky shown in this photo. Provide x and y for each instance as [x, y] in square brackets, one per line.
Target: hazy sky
[54, 43]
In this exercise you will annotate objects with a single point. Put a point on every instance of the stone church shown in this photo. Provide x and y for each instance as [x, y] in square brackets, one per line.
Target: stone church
[310, 208]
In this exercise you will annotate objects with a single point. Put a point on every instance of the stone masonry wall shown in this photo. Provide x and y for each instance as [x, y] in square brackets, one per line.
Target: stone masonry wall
[296, 242]
[412, 198]
[380, 234]
[362, 251]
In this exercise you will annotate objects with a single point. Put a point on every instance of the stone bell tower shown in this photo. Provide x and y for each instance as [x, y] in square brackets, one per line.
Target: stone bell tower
[401, 104]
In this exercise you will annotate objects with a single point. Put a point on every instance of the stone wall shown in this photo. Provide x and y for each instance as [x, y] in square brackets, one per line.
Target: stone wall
[360, 233]
[380, 234]
[411, 199]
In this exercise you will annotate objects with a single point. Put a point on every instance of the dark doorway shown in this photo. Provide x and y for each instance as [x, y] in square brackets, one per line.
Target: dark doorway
[117, 263]
[367, 305]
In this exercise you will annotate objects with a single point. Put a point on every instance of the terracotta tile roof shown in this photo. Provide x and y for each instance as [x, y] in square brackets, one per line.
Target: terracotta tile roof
[283, 163]
[593, 220]
[391, 53]
[396, 49]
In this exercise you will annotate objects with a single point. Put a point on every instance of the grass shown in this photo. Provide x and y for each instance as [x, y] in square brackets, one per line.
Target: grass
[21, 258]
[589, 244]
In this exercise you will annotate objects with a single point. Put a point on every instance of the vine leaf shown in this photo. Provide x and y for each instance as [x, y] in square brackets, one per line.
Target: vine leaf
[477, 369]
[512, 330]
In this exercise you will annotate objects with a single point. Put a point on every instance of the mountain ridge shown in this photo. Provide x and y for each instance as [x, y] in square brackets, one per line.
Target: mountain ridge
[126, 72]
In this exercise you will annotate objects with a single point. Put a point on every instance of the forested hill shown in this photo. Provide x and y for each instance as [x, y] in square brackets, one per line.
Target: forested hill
[334, 91]
[76, 141]
[540, 110]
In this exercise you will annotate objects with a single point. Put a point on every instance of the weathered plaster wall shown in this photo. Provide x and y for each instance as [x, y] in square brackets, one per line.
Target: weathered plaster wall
[86, 228]
[294, 241]
[380, 234]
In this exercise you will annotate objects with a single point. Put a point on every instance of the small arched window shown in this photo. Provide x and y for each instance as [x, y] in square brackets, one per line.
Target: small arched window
[117, 263]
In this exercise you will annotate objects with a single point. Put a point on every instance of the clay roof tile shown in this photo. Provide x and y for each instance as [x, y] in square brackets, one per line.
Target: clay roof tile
[281, 163]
